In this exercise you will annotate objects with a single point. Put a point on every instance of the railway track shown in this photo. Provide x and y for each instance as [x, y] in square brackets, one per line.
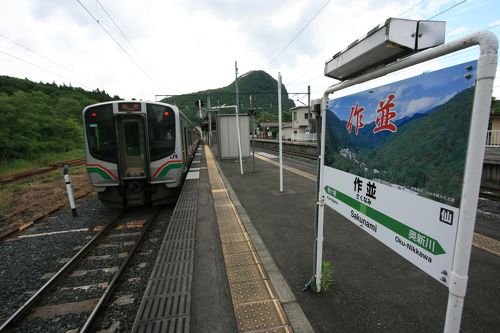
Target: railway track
[490, 192]
[22, 218]
[312, 157]
[77, 294]
[18, 176]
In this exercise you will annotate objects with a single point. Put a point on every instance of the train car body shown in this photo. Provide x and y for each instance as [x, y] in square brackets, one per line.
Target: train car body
[138, 152]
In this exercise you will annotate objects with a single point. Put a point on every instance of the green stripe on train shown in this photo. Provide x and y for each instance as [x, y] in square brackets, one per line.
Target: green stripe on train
[168, 167]
[100, 171]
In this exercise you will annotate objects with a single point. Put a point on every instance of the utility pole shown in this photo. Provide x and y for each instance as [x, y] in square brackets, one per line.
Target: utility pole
[237, 112]
[252, 113]
[309, 114]
[279, 132]
[209, 121]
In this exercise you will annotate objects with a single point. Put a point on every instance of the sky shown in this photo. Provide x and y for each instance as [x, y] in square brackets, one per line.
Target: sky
[140, 49]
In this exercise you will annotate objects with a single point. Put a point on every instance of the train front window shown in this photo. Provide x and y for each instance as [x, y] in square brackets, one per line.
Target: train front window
[132, 139]
[100, 131]
[161, 125]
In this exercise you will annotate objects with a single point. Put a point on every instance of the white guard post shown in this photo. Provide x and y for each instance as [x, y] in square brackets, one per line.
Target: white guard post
[487, 64]
[279, 132]
[69, 189]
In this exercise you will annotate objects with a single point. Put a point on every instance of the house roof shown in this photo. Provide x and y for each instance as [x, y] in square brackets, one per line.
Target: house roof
[299, 107]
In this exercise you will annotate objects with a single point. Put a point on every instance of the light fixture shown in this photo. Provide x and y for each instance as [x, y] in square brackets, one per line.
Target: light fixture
[384, 44]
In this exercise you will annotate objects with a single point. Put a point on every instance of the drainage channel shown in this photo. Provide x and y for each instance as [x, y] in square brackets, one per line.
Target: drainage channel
[256, 306]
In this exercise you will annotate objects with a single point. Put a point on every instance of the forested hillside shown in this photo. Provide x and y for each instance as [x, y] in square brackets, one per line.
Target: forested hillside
[36, 118]
[261, 86]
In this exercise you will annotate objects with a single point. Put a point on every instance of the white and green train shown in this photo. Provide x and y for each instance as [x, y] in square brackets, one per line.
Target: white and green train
[138, 152]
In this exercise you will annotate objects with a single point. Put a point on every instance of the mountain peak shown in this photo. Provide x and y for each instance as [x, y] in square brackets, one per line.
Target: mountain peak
[256, 83]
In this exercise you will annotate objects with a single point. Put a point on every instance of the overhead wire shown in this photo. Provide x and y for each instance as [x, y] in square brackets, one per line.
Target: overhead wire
[316, 76]
[42, 68]
[298, 34]
[448, 9]
[46, 58]
[410, 9]
[494, 26]
[130, 43]
[118, 43]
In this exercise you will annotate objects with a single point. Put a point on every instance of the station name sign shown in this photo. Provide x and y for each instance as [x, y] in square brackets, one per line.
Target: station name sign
[395, 159]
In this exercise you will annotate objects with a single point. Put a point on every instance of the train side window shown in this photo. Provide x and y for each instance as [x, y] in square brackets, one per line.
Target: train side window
[99, 127]
[161, 126]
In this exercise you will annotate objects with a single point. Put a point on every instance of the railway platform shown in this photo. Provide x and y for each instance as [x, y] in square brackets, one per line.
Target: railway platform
[247, 253]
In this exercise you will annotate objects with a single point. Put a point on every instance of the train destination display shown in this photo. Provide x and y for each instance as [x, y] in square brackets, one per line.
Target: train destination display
[395, 159]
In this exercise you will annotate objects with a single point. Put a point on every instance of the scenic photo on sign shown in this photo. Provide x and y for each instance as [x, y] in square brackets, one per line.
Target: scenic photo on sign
[411, 135]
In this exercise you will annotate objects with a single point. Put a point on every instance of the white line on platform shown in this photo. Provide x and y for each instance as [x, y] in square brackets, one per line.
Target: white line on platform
[193, 175]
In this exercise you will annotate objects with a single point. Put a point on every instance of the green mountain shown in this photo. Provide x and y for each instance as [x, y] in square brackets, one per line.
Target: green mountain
[37, 118]
[261, 86]
[429, 153]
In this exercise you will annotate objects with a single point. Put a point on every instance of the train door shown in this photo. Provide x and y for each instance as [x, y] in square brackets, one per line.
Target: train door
[132, 161]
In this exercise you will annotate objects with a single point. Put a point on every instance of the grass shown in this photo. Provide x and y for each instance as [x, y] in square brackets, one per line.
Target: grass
[8, 192]
[12, 166]
[326, 277]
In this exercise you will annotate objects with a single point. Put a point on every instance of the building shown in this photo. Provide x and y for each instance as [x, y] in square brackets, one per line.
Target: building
[303, 128]
[272, 128]
[494, 121]
[493, 135]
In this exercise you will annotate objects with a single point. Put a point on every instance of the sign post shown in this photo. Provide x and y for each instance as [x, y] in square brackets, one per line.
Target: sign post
[389, 168]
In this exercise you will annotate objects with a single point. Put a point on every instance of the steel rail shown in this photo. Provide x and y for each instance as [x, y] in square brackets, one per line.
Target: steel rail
[33, 172]
[291, 152]
[9, 231]
[55, 279]
[107, 293]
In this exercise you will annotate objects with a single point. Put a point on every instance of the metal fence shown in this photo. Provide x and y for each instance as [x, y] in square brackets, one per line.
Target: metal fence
[493, 138]
[303, 137]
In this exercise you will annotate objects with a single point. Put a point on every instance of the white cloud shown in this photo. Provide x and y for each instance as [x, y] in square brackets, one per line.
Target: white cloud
[494, 23]
[422, 104]
[459, 31]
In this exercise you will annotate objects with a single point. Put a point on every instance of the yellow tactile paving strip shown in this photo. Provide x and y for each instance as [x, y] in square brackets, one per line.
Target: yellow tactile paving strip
[480, 241]
[255, 304]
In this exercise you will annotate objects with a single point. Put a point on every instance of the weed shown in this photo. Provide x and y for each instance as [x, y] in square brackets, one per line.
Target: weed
[326, 277]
